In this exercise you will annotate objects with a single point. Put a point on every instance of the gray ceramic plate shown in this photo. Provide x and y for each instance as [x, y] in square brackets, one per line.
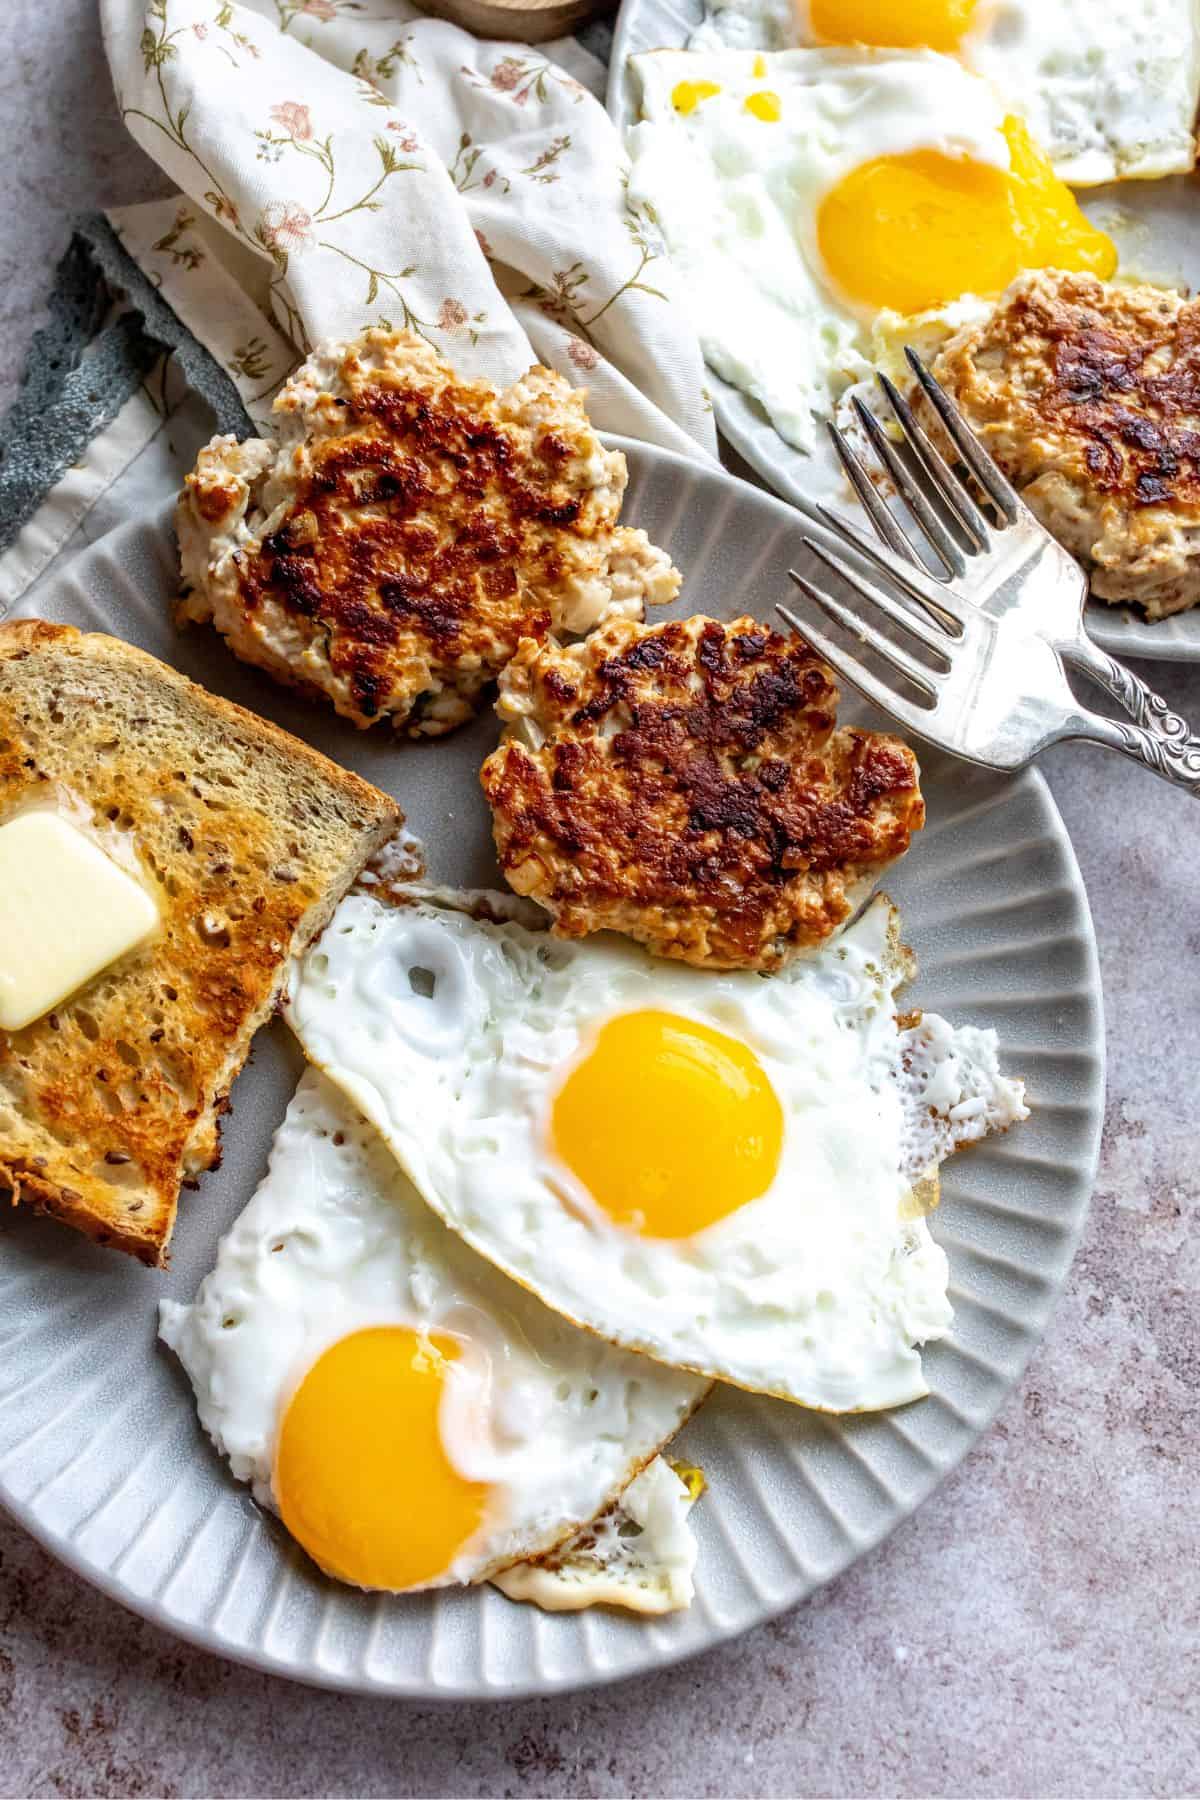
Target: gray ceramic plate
[100, 1453]
[1158, 219]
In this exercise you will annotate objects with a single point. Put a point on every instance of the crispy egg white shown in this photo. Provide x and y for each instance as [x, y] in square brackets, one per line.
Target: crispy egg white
[640, 1554]
[807, 194]
[414, 1417]
[1110, 91]
[716, 1169]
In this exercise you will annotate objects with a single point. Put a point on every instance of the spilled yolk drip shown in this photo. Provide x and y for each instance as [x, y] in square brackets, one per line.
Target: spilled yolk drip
[914, 231]
[760, 67]
[764, 105]
[892, 24]
[922, 1198]
[361, 1475]
[687, 95]
[667, 1124]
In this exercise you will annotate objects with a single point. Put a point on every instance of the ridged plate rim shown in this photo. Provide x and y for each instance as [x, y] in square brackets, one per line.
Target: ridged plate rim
[666, 25]
[728, 526]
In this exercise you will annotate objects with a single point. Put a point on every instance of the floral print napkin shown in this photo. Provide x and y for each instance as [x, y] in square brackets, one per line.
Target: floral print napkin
[345, 163]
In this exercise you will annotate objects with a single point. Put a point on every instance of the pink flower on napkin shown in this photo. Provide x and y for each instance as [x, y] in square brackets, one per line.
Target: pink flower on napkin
[453, 316]
[294, 118]
[319, 9]
[507, 74]
[286, 226]
[581, 354]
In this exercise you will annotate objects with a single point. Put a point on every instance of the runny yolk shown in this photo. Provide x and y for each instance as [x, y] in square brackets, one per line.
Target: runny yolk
[687, 95]
[764, 105]
[893, 24]
[361, 1476]
[914, 231]
[667, 1124]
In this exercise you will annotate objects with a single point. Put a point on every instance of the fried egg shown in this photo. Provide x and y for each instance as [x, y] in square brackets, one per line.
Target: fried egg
[714, 1169]
[1110, 91]
[413, 1416]
[639, 1554]
[805, 194]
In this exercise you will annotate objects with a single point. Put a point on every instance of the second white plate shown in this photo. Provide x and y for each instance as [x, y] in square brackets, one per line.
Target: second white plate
[1160, 215]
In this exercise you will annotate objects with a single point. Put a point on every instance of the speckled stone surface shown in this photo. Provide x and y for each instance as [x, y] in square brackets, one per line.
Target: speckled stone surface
[1035, 1629]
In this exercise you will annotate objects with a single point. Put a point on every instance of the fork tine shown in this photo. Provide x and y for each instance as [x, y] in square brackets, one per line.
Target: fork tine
[894, 610]
[904, 712]
[934, 532]
[879, 514]
[951, 489]
[883, 647]
[920, 586]
[987, 474]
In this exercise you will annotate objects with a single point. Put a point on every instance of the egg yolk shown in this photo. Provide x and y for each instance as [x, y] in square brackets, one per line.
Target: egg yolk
[687, 95]
[893, 24]
[914, 231]
[668, 1125]
[763, 105]
[361, 1476]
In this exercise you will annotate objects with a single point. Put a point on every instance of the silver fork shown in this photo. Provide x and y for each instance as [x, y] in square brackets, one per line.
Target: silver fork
[996, 629]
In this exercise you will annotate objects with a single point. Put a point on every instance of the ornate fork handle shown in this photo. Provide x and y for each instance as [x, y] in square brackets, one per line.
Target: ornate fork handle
[1175, 762]
[1165, 742]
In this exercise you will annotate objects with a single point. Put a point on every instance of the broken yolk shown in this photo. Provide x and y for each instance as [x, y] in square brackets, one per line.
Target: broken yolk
[912, 232]
[687, 95]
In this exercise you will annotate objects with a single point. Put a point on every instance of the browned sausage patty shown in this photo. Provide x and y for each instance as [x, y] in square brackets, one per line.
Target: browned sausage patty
[685, 783]
[407, 529]
[1088, 396]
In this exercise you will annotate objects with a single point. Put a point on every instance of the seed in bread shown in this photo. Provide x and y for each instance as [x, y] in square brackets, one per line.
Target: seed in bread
[685, 783]
[247, 838]
[407, 530]
[1087, 394]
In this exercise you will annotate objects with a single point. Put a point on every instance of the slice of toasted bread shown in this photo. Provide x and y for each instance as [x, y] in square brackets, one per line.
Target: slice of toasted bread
[250, 839]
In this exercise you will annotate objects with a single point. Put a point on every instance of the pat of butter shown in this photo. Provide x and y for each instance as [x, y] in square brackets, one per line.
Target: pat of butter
[66, 911]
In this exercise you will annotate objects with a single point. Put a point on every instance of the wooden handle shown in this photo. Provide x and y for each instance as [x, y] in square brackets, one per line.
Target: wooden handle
[528, 21]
